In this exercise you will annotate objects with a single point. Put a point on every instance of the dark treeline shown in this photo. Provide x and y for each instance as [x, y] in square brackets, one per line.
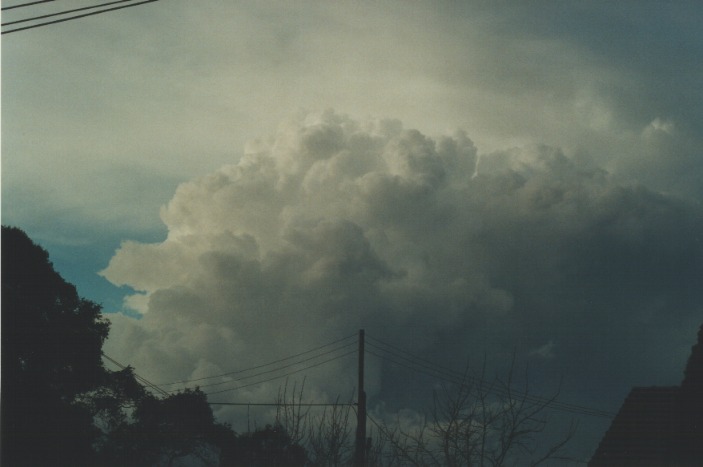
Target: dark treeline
[62, 407]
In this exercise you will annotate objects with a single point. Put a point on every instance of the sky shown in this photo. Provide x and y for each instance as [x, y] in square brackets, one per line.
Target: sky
[237, 182]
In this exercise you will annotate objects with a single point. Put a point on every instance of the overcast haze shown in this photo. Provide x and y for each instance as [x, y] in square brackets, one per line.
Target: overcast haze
[458, 178]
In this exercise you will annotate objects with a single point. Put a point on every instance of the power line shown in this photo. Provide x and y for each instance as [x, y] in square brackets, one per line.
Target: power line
[283, 376]
[454, 377]
[61, 20]
[65, 12]
[279, 368]
[448, 379]
[261, 373]
[413, 358]
[25, 4]
[144, 381]
[263, 365]
[553, 404]
[141, 379]
[462, 379]
[432, 370]
[379, 349]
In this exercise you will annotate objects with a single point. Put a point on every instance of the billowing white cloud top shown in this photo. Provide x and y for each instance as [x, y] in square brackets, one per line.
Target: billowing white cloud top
[333, 225]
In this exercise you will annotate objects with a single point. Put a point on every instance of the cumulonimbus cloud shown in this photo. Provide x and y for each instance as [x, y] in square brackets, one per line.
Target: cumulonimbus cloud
[333, 225]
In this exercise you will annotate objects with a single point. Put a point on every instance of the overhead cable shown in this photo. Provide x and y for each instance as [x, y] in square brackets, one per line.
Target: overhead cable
[230, 373]
[241, 378]
[414, 358]
[434, 369]
[353, 352]
[506, 392]
[140, 379]
[61, 20]
[25, 4]
[553, 404]
[417, 364]
[65, 12]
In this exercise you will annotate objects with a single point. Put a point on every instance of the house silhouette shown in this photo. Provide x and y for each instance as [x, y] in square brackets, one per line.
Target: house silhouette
[659, 426]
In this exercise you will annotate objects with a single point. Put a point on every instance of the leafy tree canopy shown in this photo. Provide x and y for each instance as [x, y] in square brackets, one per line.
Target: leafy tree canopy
[271, 446]
[51, 352]
[60, 406]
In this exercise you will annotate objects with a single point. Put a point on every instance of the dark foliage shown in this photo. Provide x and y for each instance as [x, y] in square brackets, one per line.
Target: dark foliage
[268, 447]
[51, 344]
[168, 429]
[60, 406]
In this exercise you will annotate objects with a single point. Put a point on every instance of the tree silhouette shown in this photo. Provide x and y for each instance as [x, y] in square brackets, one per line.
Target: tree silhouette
[51, 342]
[60, 406]
[160, 431]
[268, 447]
[479, 422]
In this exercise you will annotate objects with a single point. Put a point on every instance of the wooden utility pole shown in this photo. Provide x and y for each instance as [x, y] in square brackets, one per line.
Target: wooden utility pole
[360, 453]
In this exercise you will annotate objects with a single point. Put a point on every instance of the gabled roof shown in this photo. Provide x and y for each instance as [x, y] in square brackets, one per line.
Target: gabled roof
[659, 426]
[643, 430]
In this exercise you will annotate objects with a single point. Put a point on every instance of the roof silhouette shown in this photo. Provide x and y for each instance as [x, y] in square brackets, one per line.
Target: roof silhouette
[659, 426]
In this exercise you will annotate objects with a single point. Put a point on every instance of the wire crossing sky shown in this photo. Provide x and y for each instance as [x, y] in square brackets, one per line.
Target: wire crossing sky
[286, 359]
[65, 12]
[23, 5]
[384, 351]
[140, 379]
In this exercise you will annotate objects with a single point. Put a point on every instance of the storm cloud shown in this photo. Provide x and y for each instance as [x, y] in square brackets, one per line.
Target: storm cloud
[335, 224]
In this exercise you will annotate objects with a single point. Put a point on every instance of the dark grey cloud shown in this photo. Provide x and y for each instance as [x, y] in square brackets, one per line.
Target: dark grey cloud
[335, 225]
